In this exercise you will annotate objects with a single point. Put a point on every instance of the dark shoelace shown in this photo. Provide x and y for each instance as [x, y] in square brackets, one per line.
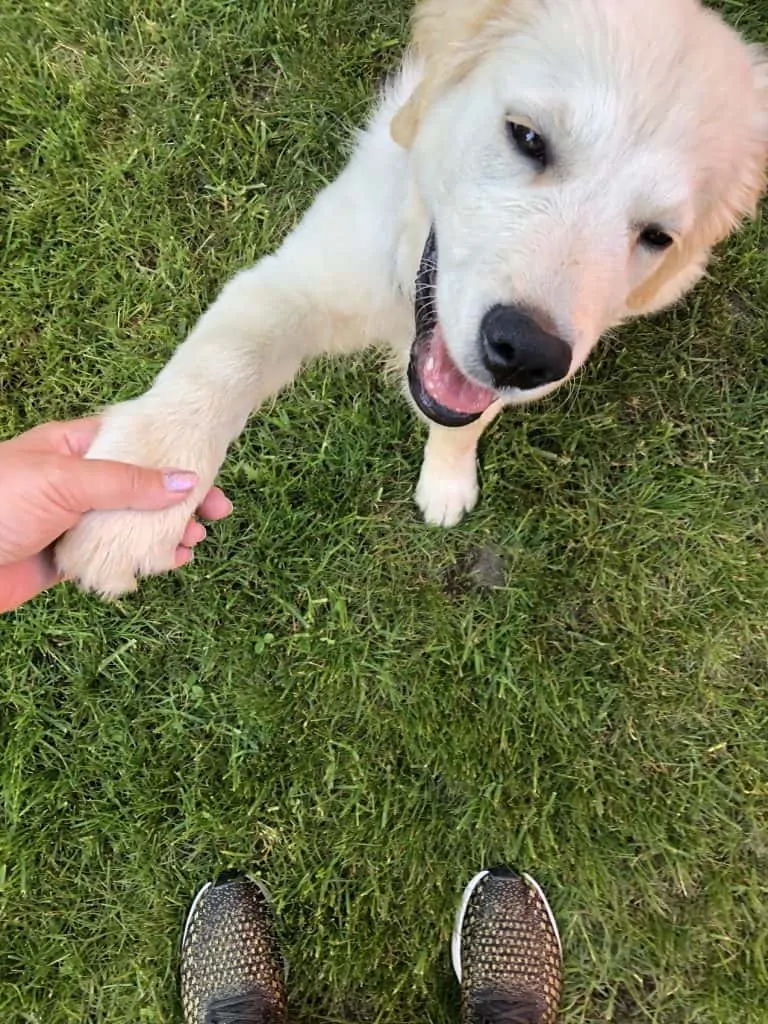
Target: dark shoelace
[251, 1008]
[490, 1006]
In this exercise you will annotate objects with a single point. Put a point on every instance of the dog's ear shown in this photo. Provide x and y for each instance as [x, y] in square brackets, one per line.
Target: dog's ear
[405, 123]
[449, 36]
[739, 195]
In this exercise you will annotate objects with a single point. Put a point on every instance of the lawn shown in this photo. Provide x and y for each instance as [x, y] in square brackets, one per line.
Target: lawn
[334, 694]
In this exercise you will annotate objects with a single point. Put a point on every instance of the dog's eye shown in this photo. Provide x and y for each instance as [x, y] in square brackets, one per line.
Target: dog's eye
[529, 142]
[655, 238]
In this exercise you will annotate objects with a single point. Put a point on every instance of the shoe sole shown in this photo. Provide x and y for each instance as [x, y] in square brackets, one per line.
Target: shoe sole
[461, 913]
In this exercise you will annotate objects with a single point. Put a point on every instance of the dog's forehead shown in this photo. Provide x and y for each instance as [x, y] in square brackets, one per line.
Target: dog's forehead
[616, 73]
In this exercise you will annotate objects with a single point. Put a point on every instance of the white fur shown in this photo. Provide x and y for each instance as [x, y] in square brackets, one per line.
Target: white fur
[656, 113]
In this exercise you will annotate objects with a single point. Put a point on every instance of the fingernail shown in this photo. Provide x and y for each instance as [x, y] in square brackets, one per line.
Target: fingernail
[176, 480]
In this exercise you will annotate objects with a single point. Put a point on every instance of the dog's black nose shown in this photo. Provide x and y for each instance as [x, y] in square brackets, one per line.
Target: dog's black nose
[518, 352]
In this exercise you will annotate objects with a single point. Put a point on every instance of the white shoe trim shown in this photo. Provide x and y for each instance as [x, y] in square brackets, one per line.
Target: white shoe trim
[260, 885]
[192, 910]
[535, 885]
[459, 922]
[461, 913]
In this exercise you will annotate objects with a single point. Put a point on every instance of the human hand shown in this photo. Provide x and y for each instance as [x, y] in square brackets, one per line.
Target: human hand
[46, 486]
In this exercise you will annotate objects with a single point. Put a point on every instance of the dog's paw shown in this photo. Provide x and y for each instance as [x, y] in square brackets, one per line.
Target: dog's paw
[106, 551]
[444, 494]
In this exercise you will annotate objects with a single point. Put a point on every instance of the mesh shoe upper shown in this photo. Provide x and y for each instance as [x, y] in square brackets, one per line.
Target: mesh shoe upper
[511, 964]
[231, 968]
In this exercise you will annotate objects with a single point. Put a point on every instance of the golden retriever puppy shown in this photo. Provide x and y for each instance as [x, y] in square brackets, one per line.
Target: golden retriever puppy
[537, 172]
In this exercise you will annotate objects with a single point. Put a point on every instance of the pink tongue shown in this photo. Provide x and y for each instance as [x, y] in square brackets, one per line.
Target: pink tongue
[445, 383]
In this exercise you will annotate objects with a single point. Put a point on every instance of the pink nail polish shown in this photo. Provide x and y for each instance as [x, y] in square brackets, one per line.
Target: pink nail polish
[177, 480]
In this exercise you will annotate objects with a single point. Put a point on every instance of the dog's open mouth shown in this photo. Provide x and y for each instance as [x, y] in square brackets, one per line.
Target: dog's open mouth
[439, 388]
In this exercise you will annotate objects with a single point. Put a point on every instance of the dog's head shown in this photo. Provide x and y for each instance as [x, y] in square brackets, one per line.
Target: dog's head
[577, 160]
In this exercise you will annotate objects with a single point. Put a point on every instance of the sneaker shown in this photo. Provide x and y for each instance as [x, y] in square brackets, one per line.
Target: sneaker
[506, 951]
[232, 971]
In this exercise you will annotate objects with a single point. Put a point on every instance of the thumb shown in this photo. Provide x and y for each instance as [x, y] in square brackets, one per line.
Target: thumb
[23, 580]
[104, 485]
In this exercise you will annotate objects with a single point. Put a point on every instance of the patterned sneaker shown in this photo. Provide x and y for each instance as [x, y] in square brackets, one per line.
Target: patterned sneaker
[231, 968]
[506, 951]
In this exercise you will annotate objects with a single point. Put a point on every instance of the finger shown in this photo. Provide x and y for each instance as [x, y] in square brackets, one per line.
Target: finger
[90, 484]
[79, 435]
[73, 437]
[22, 581]
[215, 505]
[194, 534]
[183, 556]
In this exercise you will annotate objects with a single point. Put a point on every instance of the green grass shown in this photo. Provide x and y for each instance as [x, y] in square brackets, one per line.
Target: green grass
[329, 695]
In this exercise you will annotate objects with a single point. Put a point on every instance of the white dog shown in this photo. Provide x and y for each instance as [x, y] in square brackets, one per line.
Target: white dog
[539, 171]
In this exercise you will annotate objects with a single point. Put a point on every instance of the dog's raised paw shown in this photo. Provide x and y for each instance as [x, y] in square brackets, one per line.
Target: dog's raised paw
[445, 497]
[106, 551]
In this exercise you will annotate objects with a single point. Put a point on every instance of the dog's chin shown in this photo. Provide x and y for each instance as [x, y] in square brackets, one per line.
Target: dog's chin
[441, 391]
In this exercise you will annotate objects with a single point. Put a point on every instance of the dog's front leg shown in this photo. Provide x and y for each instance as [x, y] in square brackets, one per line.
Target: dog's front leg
[247, 346]
[447, 486]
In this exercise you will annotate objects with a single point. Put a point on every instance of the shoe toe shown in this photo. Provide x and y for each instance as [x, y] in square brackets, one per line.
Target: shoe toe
[230, 951]
[509, 950]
